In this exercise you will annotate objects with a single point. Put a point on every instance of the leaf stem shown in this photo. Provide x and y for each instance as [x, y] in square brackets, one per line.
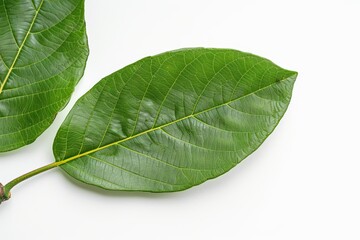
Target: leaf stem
[5, 190]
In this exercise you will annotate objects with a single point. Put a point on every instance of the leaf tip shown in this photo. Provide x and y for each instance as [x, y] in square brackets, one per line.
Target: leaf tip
[292, 75]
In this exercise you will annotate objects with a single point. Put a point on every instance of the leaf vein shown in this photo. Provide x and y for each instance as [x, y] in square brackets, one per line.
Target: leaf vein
[60, 162]
[131, 172]
[20, 48]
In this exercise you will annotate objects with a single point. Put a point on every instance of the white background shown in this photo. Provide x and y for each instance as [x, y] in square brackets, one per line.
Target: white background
[303, 183]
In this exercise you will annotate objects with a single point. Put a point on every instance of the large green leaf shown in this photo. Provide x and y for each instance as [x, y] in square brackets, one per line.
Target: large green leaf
[172, 121]
[43, 50]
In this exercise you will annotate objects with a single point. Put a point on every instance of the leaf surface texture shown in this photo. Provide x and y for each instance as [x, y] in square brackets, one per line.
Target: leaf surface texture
[172, 121]
[43, 50]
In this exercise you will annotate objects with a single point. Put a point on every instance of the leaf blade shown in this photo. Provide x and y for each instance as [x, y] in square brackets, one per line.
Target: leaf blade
[167, 117]
[42, 58]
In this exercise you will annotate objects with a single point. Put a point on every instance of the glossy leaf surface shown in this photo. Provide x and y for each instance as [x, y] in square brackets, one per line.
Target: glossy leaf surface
[43, 50]
[172, 121]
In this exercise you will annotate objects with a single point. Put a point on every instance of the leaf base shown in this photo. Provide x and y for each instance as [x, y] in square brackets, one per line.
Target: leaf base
[3, 196]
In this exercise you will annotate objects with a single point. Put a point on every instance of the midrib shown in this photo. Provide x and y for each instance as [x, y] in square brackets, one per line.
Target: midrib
[20, 48]
[58, 163]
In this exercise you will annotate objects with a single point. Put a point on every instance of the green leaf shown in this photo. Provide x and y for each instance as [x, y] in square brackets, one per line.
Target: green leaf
[172, 121]
[43, 50]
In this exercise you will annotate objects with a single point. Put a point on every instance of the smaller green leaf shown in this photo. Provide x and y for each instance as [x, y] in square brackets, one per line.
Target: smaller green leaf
[172, 121]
